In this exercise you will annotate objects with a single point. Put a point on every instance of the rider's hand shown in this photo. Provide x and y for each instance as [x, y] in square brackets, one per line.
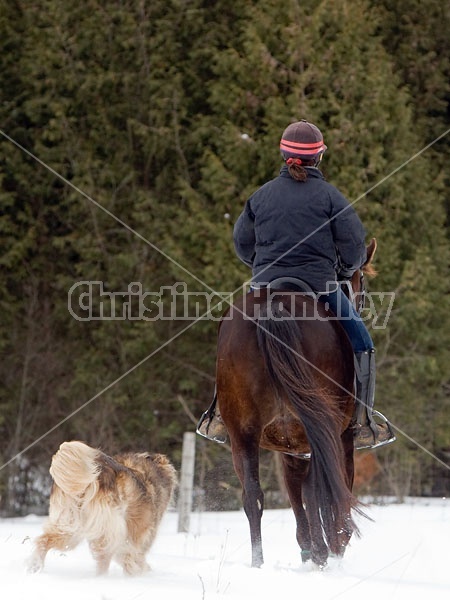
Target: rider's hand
[344, 273]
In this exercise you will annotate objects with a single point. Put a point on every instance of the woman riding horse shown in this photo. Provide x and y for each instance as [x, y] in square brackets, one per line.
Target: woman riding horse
[300, 226]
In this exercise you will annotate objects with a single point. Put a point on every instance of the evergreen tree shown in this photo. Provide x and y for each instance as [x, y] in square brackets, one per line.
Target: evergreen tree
[166, 116]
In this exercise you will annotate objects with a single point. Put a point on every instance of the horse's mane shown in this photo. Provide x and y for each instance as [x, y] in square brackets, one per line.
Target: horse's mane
[368, 268]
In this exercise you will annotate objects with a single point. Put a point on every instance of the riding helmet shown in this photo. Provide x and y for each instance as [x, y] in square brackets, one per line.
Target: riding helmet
[302, 140]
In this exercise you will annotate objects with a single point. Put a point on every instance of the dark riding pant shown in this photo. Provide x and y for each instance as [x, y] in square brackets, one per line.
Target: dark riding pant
[350, 320]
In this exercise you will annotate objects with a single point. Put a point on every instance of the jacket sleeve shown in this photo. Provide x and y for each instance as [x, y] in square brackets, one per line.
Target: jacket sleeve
[244, 236]
[349, 234]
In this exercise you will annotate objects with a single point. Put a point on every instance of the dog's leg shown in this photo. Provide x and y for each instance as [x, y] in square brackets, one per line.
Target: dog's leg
[133, 562]
[37, 559]
[101, 555]
[141, 532]
[47, 541]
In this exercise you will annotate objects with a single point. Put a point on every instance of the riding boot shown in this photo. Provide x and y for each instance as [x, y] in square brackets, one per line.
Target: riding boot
[368, 433]
[211, 425]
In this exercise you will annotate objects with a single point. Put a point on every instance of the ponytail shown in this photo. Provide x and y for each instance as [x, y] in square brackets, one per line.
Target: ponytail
[296, 169]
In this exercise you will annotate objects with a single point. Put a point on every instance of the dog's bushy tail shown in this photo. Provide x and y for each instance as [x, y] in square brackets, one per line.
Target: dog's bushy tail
[75, 469]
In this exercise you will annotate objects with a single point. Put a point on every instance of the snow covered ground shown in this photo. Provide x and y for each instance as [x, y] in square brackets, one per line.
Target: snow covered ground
[403, 555]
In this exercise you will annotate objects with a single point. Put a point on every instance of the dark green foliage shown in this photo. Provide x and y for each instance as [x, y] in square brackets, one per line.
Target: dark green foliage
[168, 116]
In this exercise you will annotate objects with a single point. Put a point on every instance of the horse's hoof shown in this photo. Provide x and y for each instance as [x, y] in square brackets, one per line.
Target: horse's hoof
[320, 561]
[306, 555]
[257, 563]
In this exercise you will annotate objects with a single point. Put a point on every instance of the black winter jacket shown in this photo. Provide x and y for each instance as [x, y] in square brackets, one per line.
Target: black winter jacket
[299, 229]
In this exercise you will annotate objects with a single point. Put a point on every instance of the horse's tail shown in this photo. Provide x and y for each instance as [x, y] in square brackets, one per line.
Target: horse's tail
[293, 376]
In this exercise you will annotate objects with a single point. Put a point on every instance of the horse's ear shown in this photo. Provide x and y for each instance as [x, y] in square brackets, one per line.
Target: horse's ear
[368, 267]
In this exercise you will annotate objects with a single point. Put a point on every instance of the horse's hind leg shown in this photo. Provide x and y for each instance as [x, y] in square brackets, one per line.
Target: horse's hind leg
[319, 549]
[295, 470]
[246, 464]
[347, 442]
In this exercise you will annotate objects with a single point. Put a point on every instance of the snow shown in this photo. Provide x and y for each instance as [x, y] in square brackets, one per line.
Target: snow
[402, 555]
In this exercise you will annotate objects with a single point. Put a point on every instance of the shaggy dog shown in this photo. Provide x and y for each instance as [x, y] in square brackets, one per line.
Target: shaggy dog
[115, 503]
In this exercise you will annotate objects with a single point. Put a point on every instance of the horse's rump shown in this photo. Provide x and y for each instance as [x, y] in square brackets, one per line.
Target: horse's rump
[244, 367]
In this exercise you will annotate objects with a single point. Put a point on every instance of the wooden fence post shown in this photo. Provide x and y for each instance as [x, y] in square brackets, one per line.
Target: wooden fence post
[186, 481]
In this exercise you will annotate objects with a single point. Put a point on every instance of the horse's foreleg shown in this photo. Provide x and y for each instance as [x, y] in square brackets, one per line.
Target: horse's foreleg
[246, 464]
[294, 471]
[253, 499]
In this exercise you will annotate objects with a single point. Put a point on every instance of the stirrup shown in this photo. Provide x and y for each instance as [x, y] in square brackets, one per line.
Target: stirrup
[377, 443]
[216, 433]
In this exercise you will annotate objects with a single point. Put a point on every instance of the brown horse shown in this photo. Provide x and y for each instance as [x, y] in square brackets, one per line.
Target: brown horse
[285, 380]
